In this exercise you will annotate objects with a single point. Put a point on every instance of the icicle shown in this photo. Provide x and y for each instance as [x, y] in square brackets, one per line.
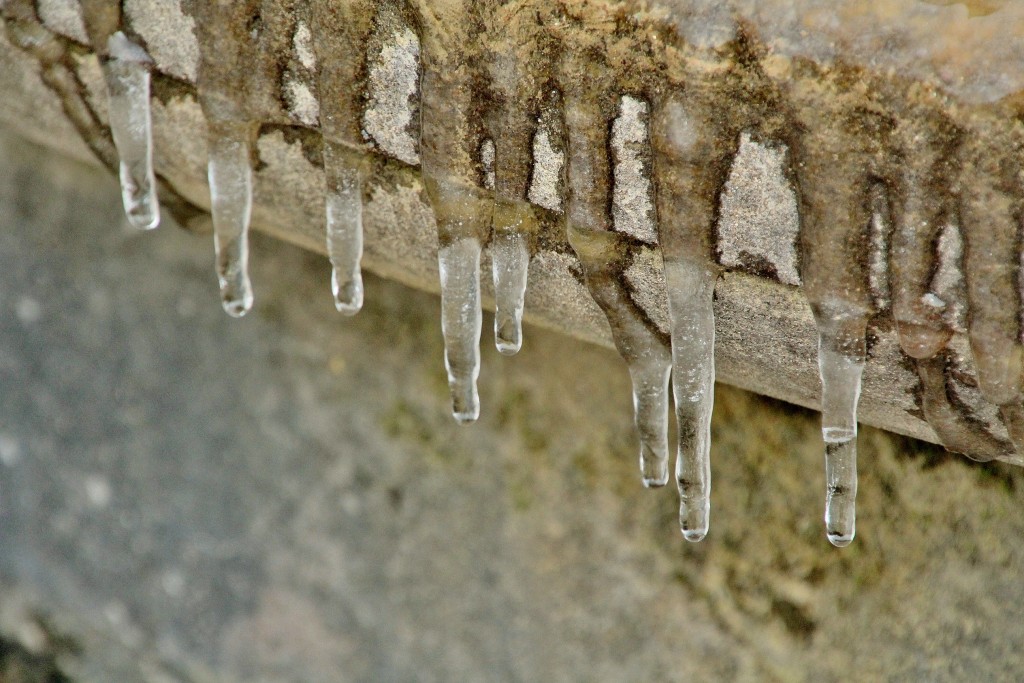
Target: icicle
[450, 143]
[841, 350]
[691, 289]
[513, 123]
[510, 256]
[127, 77]
[340, 74]
[230, 175]
[650, 378]
[344, 229]
[834, 166]
[599, 248]
[228, 57]
[691, 160]
[514, 224]
[461, 322]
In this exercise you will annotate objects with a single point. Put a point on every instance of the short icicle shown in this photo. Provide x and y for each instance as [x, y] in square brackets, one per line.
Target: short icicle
[691, 161]
[339, 74]
[589, 110]
[226, 54]
[127, 74]
[991, 205]
[956, 432]
[462, 208]
[126, 71]
[230, 176]
[691, 290]
[510, 260]
[512, 127]
[344, 229]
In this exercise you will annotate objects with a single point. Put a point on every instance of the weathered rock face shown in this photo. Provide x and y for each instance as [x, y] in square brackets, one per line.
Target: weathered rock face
[917, 97]
[732, 186]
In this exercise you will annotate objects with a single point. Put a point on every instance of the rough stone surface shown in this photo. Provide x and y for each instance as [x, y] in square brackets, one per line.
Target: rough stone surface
[922, 40]
[188, 497]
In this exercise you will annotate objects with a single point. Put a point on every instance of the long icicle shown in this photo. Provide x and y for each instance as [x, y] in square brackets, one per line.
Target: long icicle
[589, 110]
[127, 74]
[691, 288]
[461, 323]
[462, 208]
[691, 160]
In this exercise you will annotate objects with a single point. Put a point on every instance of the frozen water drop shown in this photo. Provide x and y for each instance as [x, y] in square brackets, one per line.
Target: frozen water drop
[348, 291]
[461, 323]
[344, 230]
[841, 364]
[230, 175]
[128, 80]
[691, 287]
[510, 260]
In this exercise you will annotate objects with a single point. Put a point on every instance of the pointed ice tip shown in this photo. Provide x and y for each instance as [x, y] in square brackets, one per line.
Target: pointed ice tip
[693, 521]
[840, 540]
[507, 348]
[348, 296]
[465, 403]
[655, 482]
[694, 535]
[348, 308]
[508, 335]
[143, 218]
[466, 417]
[237, 308]
[653, 471]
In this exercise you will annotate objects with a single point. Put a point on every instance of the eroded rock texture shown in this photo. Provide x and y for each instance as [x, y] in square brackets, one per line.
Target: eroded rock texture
[738, 184]
[686, 166]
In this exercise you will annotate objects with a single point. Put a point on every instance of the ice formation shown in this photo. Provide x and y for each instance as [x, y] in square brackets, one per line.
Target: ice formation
[909, 198]
[230, 176]
[127, 77]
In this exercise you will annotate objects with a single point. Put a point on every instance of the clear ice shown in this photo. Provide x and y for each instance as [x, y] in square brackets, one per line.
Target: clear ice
[510, 261]
[691, 287]
[230, 175]
[650, 412]
[841, 364]
[344, 229]
[449, 147]
[461, 323]
[127, 77]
